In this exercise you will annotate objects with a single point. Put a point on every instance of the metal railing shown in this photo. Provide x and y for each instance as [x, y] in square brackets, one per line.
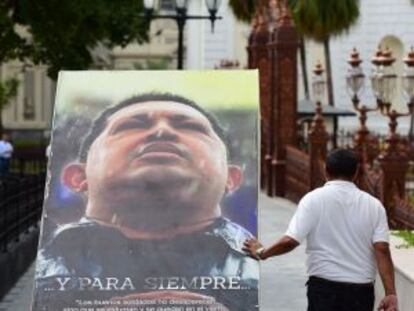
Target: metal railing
[29, 162]
[21, 198]
[409, 182]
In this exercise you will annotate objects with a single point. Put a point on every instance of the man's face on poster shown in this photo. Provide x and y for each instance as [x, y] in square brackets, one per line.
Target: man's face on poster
[166, 155]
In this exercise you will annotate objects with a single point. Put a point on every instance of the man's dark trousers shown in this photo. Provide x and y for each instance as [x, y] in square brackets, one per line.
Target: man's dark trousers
[325, 295]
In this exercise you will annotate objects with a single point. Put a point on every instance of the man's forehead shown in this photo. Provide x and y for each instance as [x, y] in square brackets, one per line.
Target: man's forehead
[158, 108]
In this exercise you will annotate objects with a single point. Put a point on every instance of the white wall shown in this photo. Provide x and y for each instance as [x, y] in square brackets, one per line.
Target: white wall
[205, 49]
[36, 91]
[378, 19]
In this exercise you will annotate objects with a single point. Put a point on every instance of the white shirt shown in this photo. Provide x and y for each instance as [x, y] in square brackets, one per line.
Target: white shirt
[341, 223]
[6, 149]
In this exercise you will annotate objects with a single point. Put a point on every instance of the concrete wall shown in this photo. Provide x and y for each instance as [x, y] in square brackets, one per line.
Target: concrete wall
[404, 275]
[33, 106]
[206, 49]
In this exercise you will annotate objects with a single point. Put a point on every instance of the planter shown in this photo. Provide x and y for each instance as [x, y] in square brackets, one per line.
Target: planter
[404, 275]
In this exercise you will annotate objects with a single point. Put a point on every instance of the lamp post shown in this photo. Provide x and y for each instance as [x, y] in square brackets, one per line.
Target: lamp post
[318, 89]
[383, 83]
[386, 88]
[355, 82]
[376, 73]
[386, 82]
[318, 136]
[318, 131]
[394, 158]
[181, 17]
[318, 84]
[408, 87]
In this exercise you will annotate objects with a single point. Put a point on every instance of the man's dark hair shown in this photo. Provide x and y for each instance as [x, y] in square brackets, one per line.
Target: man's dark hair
[341, 163]
[100, 121]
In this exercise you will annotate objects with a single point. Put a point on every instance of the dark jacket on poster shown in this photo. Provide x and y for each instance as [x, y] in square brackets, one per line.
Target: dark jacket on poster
[94, 252]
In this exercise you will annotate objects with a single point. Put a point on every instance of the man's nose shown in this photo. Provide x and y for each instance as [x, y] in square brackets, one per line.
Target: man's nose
[162, 131]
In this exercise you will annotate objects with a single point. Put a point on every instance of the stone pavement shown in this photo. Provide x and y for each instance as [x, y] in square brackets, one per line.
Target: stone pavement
[282, 286]
[283, 278]
[19, 297]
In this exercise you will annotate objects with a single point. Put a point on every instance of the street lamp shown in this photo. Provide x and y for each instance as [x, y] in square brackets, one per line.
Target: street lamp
[408, 87]
[181, 17]
[387, 80]
[317, 130]
[318, 84]
[376, 73]
[212, 7]
[355, 79]
[383, 83]
[364, 143]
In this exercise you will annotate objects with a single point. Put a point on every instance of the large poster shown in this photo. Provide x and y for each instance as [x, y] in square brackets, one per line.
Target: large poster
[152, 189]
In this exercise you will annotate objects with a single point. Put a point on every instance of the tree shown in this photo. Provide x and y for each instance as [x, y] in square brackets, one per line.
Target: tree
[8, 91]
[11, 44]
[316, 19]
[322, 19]
[153, 64]
[63, 34]
[243, 9]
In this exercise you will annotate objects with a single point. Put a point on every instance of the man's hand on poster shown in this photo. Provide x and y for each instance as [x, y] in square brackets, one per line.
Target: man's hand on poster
[170, 298]
[256, 250]
[388, 303]
[253, 248]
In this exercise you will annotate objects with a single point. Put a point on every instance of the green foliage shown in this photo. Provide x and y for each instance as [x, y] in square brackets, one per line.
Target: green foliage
[321, 19]
[411, 199]
[408, 237]
[316, 19]
[11, 44]
[243, 9]
[8, 90]
[64, 33]
[153, 64]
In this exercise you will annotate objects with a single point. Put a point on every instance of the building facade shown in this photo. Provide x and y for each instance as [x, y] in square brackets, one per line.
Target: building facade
[385, 23]
[32, 110]
[207, 48]
[382, 22]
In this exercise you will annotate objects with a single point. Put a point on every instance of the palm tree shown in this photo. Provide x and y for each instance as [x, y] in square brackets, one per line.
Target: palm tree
[243, 9]
[314, 19]
[322, 19]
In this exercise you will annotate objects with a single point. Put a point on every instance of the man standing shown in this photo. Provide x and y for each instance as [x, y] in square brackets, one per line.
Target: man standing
[6, 151]
[347, 236]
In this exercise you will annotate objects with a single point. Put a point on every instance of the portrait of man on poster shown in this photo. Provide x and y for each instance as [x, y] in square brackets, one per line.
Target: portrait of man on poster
[153, 170]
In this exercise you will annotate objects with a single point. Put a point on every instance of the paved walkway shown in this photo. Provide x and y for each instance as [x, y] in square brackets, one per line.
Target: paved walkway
[19, 297]
[283, 278]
